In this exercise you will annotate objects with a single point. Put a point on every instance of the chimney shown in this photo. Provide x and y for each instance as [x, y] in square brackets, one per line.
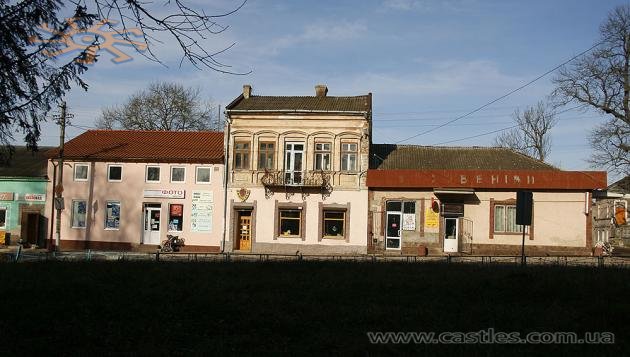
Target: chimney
[321, 90]
[247, 91]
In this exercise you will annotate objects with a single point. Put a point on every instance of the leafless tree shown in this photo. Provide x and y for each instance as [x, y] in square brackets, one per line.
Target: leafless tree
[601, 81]
[32, 81]
[162, 106]
[531, 134]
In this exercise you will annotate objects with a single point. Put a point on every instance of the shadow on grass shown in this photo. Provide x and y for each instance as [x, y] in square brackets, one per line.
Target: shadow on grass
[300, 308]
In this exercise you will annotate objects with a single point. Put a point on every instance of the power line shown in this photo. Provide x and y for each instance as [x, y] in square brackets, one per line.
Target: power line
[501, 97]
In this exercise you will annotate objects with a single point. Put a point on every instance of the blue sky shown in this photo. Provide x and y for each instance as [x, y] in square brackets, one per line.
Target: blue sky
[426, 62]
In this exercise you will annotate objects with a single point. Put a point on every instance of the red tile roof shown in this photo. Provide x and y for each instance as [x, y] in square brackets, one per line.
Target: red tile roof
[145, 146]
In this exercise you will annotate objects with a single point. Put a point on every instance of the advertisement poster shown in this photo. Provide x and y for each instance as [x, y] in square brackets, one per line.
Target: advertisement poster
[201, 212]
[431, 218]
[409, 221]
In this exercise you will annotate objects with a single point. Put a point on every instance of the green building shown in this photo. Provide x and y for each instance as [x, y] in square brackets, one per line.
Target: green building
[23, 197]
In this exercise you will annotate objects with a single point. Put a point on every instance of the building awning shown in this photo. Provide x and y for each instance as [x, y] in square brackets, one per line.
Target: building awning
[453, 191]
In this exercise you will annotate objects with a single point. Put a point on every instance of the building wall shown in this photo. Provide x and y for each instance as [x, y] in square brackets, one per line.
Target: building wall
[558, 221]
[347, 190]
[21, 191]
[97, 190]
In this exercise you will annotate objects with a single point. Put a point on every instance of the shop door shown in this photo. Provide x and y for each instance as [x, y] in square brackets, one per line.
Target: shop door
[451, 236]
[392, 239]
[151, 225]
[244, 232]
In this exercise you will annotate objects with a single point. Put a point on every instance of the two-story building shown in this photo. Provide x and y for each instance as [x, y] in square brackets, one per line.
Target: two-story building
[610, 214]
[127, 190]
[297, 170]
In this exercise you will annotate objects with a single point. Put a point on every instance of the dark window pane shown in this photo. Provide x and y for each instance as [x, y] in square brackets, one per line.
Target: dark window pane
[394, 206]
[410, 207]
[115, 173]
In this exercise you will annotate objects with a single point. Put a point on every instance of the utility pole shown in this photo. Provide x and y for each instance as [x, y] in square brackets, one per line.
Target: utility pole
[59, 204]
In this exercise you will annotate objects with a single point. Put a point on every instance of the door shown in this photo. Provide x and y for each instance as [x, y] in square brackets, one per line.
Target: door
[152, 225]
[294, 153]
[451, 237]
[244, 233]
[30, 227]
[392, 234]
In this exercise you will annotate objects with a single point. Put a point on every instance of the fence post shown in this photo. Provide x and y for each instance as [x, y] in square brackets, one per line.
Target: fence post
[600, 261]
[448, 259]
[157, 255]
[18, 253]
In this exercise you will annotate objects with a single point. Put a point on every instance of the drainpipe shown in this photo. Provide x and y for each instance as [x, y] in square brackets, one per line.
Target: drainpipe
[52, 208]
[226, 155]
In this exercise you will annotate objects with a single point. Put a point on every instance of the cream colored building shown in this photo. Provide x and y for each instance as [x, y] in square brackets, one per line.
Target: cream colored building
[458, 200]
[297, 170]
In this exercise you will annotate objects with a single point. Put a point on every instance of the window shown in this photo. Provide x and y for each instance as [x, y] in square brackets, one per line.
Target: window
[348, 157]
[175, 217]
[78, 213]
[334, 223]
[81, 172]
[505, 219]
[602, 236]
[266, 153]
[178, 174]
[621, 213]
[114, 173]
[153, 174]
[322, 156]
[204, 174]
[112, 215]
[3, 218]
[290, 222]
[241, 155]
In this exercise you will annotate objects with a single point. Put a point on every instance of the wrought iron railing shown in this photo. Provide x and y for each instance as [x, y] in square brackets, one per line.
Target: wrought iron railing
[295, 178]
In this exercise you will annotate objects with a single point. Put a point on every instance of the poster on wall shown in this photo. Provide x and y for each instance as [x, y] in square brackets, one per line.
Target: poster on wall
[201, 211]
[409, 221]
[431, 218]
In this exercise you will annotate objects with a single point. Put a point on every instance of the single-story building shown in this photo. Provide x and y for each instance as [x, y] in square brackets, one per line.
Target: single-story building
[23, 182]
[462, 200]
[127, 190]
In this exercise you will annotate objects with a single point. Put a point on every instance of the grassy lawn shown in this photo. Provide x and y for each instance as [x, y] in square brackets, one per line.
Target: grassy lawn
[300, 308]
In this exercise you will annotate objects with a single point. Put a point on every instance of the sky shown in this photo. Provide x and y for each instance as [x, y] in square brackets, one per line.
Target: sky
[425, 62]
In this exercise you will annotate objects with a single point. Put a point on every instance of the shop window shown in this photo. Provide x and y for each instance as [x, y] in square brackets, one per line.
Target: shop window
[3, 218]
[322, 156]
[114, 173]
[79, 209]
[204, 175]
[349, 156]
[505, 219]
[334, 223]
[153, 174]
[266, 154]
[81, 172]
[241, 155]
[176, 218]
[112, 215]
[178, 174]
[290, 222]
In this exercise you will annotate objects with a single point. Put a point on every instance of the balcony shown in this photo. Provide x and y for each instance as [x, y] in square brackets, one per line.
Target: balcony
[291, 182]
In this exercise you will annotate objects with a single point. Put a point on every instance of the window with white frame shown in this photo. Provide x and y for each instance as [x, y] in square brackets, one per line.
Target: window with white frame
[602, 235]
[112, 215]
[203, 174]
[178, 174]
[153, 174]
[3, 217]
[322, 156]
[79, 209]
[81, 172]
[349, 156]
[505, 219]
[114, 173]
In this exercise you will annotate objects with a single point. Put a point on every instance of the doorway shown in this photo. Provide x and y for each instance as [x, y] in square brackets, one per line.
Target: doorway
[451, 235]
[293, 163]
[152, 224]
[30, 231]
[244, 230]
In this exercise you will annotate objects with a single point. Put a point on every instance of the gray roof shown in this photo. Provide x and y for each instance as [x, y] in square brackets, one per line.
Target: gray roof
[415, 157]
[254, 103]
[26, 163]
[621, 186]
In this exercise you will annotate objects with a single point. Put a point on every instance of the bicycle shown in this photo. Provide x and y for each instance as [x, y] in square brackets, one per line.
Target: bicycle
[172, 244]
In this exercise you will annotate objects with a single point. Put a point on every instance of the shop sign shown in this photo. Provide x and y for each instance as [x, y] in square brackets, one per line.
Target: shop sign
[6, 196]
[164, 193]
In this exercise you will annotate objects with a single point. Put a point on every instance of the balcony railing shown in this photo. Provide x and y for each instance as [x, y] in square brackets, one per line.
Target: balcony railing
[296, 179]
